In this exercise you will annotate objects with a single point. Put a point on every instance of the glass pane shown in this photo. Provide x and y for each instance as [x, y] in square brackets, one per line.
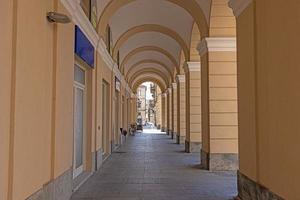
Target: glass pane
[79, 75]
[79, 117]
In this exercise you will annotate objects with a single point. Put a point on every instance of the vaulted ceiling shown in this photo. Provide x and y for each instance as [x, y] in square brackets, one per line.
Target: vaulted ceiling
[151, 34]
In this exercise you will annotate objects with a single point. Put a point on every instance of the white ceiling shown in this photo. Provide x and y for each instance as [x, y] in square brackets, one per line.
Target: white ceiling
[151, 39]
[146, 55]
[160, 12]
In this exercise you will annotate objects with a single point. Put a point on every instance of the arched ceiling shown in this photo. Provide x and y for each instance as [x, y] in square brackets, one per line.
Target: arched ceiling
[150, 55]
[148, 64]
[148, 72]
[148, 78]
[164, 25]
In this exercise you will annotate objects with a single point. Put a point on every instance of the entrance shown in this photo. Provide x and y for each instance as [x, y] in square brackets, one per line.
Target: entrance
[105, 117]
[79, 120]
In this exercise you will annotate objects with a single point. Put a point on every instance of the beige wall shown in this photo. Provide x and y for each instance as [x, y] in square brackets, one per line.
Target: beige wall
[103, 73]
[182, 114]
[163, 111]
[273, 66]
[38, 75]
[174, 91]
[222, 20]
[195, 105]
[170, 109]
[223, 102]
[6, 69]
[246, 94]
[64, 98]
[193, 102]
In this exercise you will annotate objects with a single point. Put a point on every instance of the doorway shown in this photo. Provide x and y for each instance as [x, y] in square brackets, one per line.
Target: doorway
[79, 120]
[105, 119]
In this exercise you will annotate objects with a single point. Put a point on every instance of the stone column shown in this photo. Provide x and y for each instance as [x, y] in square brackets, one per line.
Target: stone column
[193, 107]
[181, 109]
[175, 110]
[170, 112]
[219, 104]
[133, 108]
[163, 112]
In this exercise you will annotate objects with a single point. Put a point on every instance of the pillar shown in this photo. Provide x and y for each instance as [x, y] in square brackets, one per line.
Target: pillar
[167, 112]
[163, 112]
[175, 114]
[193, 107]
[181, 109]
[219, 104]
[170, 112]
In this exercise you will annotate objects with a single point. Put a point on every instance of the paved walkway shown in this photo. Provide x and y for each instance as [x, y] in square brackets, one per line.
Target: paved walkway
[153, 167]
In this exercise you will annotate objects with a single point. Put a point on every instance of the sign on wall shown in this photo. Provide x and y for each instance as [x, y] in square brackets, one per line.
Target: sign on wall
[84, 48]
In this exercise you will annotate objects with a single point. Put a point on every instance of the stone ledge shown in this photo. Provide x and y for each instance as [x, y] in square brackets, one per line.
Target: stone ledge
[249, 189]
[60, 188]
[219, 161]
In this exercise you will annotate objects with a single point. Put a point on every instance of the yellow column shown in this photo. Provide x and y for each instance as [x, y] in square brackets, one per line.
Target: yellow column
[193, 107]
[219, 97]
[175, 110]
[170, 112]
[181, 109]
[163, 110]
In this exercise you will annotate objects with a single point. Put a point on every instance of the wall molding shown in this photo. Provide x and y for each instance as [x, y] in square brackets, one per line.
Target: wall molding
[238, 6]
[181, 78]
[217, 44]
[194, 66]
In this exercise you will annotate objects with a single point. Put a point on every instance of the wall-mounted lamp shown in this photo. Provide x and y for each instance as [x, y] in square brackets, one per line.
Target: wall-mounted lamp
[54, 17]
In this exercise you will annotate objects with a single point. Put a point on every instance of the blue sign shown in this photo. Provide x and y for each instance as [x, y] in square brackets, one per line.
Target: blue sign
[84, 48]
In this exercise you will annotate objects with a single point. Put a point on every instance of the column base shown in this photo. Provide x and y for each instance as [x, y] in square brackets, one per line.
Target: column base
[192, 147]
[168, 132]
[219, 161]
[182, 139]
[187, 147]
[177, 139]
[249, 189]
[60, 188]
[98, 159]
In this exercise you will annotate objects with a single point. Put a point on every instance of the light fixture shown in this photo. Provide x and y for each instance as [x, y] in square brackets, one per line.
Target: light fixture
[54, 17]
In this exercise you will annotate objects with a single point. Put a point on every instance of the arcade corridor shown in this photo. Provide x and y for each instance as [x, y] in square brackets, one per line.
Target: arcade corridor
[223, 79]
[150, 166]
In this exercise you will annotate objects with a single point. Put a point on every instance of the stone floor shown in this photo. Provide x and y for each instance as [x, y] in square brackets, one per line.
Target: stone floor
[151, 166]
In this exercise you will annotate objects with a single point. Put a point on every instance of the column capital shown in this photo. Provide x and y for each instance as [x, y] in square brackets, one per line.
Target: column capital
[216, 44]
[174, 85]
[181, 78]
[238, 6]
[193, 66]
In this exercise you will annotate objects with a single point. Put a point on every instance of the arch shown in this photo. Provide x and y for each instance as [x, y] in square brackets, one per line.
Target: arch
[147, 72]
[191, 6]
[150, 67]
[147, 61]
[162, 86]
[148, 48]
[195, 38]
[151, 28]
